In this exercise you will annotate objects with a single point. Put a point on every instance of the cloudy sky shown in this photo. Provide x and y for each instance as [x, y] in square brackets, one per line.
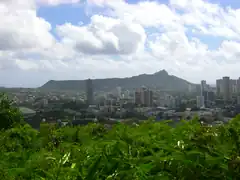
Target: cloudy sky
[74, 39]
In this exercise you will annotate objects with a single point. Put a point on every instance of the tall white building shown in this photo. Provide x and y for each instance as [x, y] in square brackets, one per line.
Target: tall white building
[126, 94]
[119, 92]
[200, 101]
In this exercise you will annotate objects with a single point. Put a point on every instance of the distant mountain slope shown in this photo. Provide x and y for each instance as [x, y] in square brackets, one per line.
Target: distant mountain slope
[160, 79]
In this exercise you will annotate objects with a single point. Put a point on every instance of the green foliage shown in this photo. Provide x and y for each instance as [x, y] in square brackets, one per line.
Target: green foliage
[149, 150]
[9, 116]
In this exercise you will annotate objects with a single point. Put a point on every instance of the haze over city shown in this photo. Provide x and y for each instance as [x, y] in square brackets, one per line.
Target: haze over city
[63, 39]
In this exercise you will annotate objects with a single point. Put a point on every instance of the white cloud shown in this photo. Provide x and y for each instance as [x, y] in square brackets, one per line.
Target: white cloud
[146, 13]
[20, 28]
[209, 18]
[120, 40]
[177, 48]
[104, 35]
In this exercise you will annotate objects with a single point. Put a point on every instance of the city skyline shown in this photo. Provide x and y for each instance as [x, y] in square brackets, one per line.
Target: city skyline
[72, 39]
[211, 84]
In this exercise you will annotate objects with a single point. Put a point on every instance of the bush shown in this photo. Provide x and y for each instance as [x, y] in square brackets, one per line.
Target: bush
[151, 150]
[9, 116]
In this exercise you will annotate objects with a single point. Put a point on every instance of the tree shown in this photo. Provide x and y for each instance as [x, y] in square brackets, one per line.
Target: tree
[9, 115]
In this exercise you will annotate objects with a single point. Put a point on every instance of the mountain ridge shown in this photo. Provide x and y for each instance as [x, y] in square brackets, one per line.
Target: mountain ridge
[160, 79]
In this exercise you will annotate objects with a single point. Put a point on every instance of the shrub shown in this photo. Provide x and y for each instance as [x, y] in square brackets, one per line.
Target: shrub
[151, 150]
[9, 116]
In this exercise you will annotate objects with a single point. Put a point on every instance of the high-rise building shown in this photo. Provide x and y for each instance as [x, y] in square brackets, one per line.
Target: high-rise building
[89, 92]
[209, 98]
[226, 88]
[203, 86]
[200, 101]
[137, 96]
[204, 90]
[233, 86]
[238, 86]
[219, 88]
[117, 92]
[126, 94]
[169, 101]
[148, 98]
[238, 99]
[144, 97]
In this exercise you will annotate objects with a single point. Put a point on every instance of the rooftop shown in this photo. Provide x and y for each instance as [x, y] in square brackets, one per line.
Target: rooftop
[25, 110]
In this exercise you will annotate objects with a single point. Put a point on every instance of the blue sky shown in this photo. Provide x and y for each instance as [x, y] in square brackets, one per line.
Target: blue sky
[117, 38]
[232, 3]
[76, 13]
[64, 13]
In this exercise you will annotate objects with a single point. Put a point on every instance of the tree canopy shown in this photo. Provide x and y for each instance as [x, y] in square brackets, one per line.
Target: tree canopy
[9, 115]
[142, 151]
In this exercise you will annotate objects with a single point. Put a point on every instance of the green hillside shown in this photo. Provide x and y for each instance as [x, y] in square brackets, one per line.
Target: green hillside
[161, 80]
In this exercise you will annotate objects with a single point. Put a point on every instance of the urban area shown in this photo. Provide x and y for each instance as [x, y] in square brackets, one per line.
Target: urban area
[212, 104]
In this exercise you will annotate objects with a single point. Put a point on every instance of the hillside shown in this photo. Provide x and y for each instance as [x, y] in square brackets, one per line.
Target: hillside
[160, 80]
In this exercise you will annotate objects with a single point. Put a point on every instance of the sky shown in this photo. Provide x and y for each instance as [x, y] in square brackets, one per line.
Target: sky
[43, 40]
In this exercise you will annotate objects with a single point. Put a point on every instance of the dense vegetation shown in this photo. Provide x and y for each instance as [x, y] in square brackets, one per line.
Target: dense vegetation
[150, 150]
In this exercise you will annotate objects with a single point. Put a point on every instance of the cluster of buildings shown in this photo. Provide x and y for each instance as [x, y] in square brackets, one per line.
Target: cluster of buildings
[144, 97]
[207, 95]
[105, 97]
[123, 103]
[140, 97]
[227, 87]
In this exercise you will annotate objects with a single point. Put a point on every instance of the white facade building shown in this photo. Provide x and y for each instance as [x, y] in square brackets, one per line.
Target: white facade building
[200, 101]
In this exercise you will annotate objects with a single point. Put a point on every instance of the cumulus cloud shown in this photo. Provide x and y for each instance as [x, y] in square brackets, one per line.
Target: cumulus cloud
[119, 40]
[21, 28]
[104, 35]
